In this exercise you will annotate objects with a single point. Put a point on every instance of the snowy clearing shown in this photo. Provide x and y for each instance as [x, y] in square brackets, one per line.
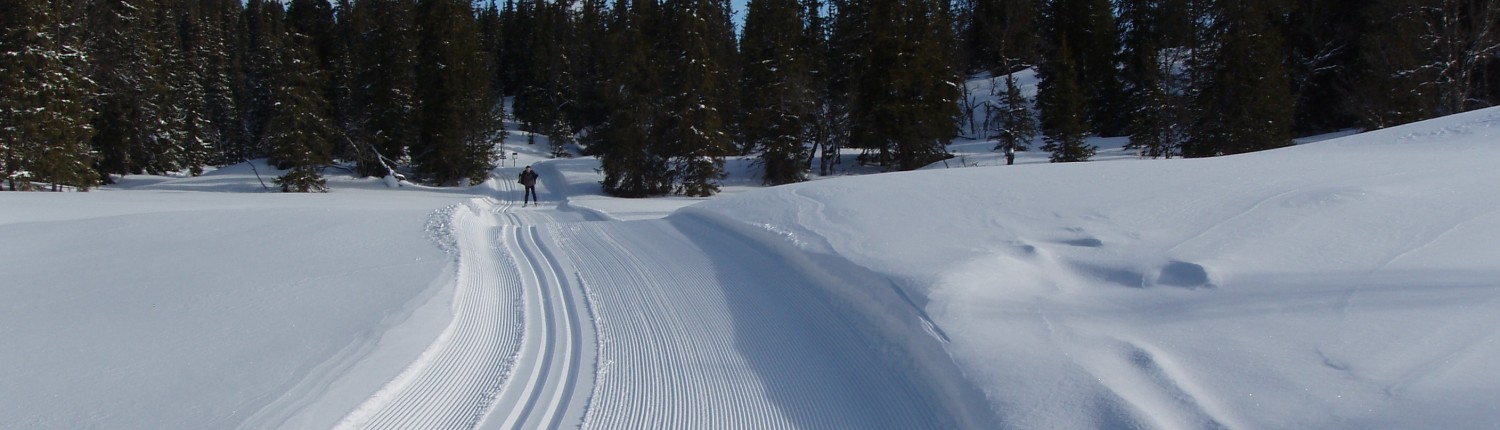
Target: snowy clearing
[1348, 283]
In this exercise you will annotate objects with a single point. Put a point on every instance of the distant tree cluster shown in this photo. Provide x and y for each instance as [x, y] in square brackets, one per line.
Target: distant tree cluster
[1200, 78]
[95, 88]
[662, 91]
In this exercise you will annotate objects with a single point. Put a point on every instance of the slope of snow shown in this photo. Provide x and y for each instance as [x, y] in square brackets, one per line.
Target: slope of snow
[1347, 283]
[155, 309]
[1351, 283]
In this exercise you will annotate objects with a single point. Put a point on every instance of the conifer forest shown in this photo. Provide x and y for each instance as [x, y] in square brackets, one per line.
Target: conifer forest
[662, 91]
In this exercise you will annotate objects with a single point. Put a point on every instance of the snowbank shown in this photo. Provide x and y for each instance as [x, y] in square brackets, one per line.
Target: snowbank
[1348, 283]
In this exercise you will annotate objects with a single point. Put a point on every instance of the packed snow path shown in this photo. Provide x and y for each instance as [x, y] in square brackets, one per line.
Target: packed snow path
[513, 353]
[562, 323]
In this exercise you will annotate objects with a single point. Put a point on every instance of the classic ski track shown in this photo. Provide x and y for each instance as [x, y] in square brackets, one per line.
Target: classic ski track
[453, 383]
[673, 342]
[672, 354]
[516, 337]
[542, 388]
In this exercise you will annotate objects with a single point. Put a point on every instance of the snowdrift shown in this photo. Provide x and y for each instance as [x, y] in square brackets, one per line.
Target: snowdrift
[1350, 283]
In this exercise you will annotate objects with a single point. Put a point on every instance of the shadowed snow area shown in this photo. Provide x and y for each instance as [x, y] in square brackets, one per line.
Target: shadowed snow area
[1349, 283]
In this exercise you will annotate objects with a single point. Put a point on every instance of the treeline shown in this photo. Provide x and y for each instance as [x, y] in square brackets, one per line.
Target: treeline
[1200, 78]
[662, 91]
[94, 88]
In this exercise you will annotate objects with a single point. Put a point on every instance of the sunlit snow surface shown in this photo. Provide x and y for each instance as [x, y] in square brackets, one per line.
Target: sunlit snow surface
[1348, 283]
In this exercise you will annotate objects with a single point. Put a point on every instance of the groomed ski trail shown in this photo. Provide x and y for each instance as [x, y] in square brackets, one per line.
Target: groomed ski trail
[701, 329]
[659, 324]
[512, 354]
[543, 392]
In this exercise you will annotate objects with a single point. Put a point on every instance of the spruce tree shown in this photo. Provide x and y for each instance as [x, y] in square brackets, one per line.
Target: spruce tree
[931, 91]
[692, 127]
[187, 124]
[1001, 36]
[264, 29]
[903, 91]
[548, 84]
[492, 41]
[634, 164]
[825, 129]
[457, 120]
[1322, 42]
[300, 134]
[1061, 101]
[315, 20]
[219, 54]
[1391, 88]
[777, 88]
[1157, 33]
[1012, 121]
[44, 97]
[1244, 103]
[592, 55]
[132, 111]
[1092, 33]
[384, 109]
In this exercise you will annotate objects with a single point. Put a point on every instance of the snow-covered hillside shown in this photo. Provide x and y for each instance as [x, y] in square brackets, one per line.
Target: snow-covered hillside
[1348, 283]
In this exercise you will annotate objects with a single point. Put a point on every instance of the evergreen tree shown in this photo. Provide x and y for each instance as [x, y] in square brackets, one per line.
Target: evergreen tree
[634, 164]
[544, 103]
[340, 70]
[132, 104]
[492, 41]
[315, 19]
[1243, 104]
[1158, 33]
[44, 92]
[1012, 121]
[1090, 28]
[1390, 90]
[219, 54]
[187, 124]
[1061, 101]
[826, 128]
[592, 53]
[300, 133]
[1429, 57]
[384, 105]
[1323, 46]
[457, 119]
[265, 29]
[1001, 35]
[692, 128]
[903, 94]
[931, 90]
[777, 88]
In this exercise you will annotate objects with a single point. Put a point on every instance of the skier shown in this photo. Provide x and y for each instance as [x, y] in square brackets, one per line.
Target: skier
[528, 179]
[1010, 154]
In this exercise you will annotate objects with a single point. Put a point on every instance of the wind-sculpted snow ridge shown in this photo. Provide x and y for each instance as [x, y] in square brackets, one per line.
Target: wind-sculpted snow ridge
[454, 382]
[879, 312]
[698, 328]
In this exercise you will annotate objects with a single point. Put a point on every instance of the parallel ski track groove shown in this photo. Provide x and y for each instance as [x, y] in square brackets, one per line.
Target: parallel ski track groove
[692, 394]
[551, 379]
[454, 383]
[677, 357]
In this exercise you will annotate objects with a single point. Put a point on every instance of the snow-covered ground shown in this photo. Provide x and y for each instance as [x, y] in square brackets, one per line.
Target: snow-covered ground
[1351, 283]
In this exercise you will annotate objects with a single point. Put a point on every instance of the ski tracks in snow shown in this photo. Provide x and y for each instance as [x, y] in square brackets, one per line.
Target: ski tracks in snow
[512, 354]
[701, 329]
[659, 325]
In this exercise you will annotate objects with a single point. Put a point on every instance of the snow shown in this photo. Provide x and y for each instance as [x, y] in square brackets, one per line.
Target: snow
[1351, 281]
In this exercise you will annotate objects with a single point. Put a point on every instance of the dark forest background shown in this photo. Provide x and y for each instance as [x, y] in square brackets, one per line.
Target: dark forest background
[662, 91]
